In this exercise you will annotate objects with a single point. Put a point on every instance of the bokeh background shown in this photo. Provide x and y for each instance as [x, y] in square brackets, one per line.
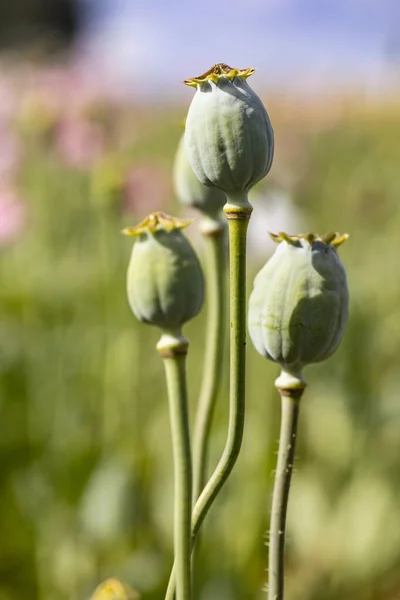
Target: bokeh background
[91, 110]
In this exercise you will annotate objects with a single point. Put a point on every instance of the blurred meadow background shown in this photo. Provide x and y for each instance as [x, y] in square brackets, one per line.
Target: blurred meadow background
[91, 111]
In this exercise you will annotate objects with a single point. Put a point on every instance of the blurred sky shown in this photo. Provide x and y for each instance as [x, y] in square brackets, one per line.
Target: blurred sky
[297, 44]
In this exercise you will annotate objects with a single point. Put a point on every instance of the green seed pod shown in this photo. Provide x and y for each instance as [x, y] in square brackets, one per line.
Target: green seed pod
[190, 191]
[165, 282]
[298, 308]
[229, 138]
[113, 589]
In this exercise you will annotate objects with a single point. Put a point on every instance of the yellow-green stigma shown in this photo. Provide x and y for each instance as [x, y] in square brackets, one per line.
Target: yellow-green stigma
[217, 72]
[113, 589]
[330, 239]
[157, 221]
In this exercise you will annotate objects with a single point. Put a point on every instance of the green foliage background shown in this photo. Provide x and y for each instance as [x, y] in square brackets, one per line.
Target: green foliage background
[85, 453]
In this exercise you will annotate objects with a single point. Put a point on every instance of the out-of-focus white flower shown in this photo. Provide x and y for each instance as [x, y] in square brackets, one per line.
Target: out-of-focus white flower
[273, 210]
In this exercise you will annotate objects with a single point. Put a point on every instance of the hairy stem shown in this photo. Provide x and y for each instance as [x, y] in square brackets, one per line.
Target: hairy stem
[287, 443]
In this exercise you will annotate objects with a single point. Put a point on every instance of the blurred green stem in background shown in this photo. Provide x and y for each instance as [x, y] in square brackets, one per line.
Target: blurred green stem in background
[290, 400]
[238, 220]
[173, 349]
[213, 231]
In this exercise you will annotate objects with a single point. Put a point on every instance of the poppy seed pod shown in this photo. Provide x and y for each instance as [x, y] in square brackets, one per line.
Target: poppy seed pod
[189, 189]
[165, 282]
[298, 308]
[229, 139]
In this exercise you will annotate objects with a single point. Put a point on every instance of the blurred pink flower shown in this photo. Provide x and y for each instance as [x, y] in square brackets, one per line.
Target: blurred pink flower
[10, 152]
[7, 100]
[147, 188]
[55, 84]
[80, 143]
[77, 89]
[12, 215]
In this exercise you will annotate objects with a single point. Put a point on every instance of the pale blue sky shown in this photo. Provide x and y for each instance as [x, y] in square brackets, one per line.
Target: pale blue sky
[293, 43]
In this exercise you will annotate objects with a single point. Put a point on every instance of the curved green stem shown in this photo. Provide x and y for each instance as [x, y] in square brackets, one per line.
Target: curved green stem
[174, 358]
[290, 399]
[238, 219]
[215, 277]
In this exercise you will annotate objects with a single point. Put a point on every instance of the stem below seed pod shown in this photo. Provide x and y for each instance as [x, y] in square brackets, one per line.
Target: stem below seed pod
[173, 350]
[291, 390]
[213, 232]
[238, 220]
[238, 214]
